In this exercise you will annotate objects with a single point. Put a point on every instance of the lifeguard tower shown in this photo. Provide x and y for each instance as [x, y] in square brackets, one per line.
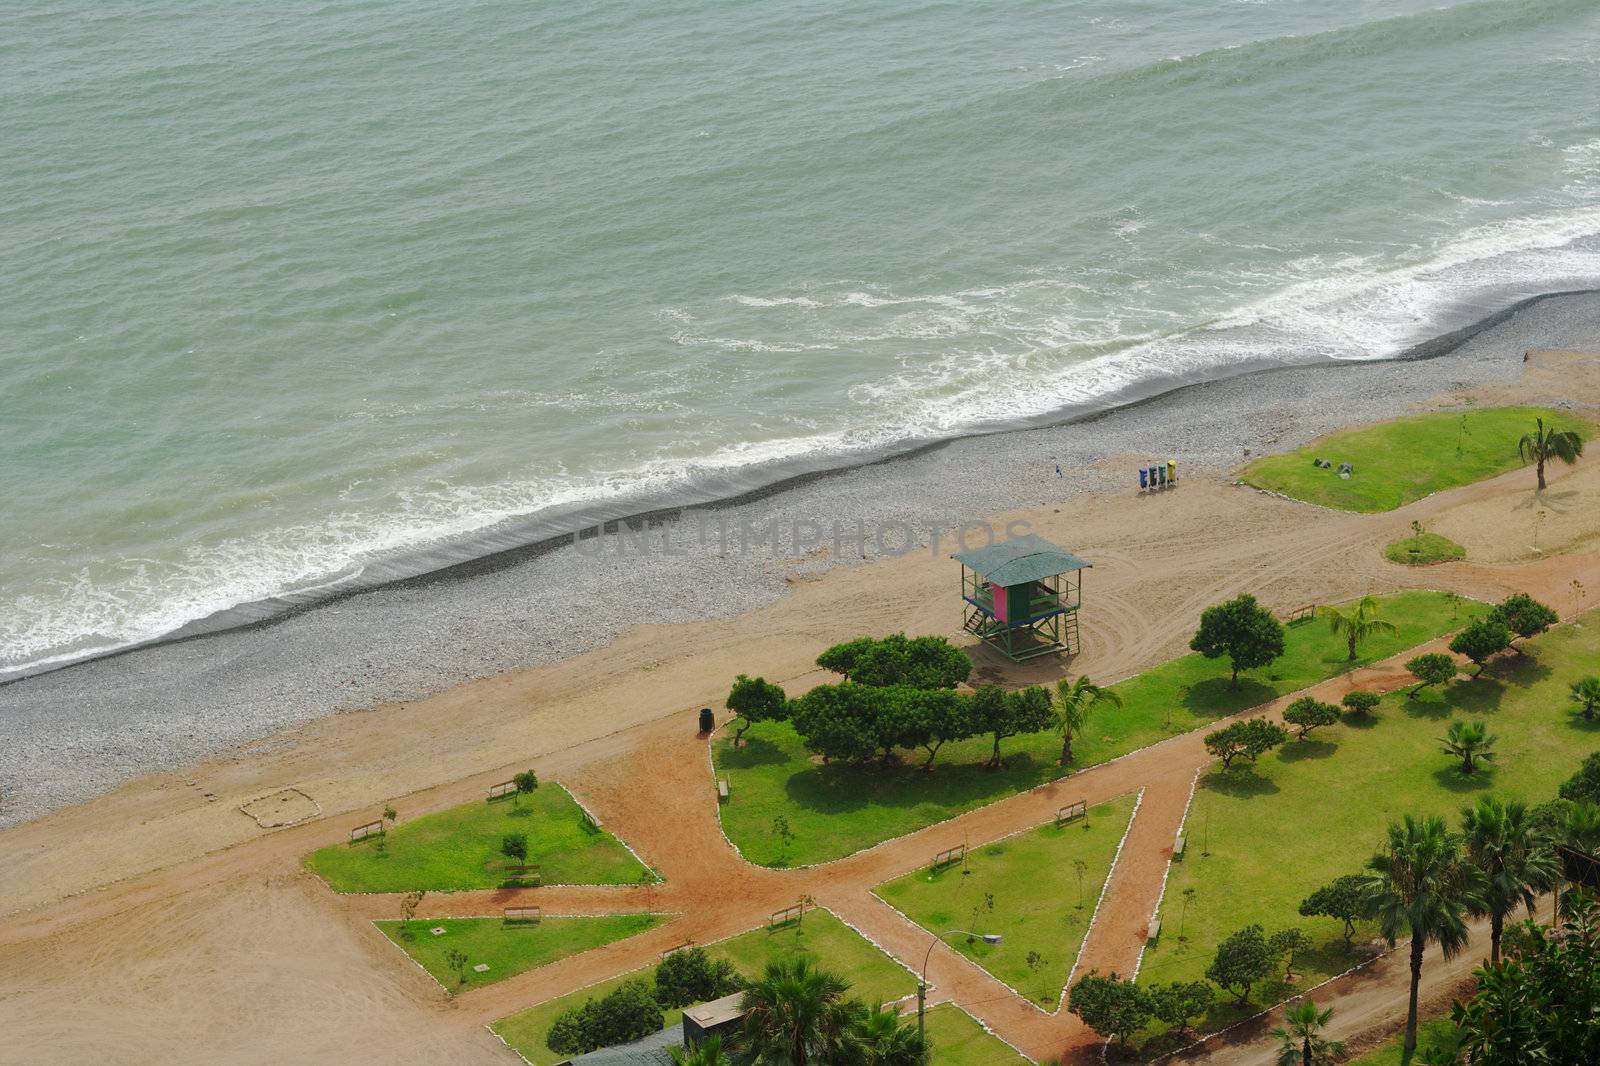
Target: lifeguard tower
[1022, 596]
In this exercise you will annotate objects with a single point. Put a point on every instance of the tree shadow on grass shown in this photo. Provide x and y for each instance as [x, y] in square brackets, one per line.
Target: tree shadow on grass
[1360, 721]
[1452, 779]
[1583, 725]
[1522, 669]
[1429, 704]
[755, 751]
[1299, 750]
[1212, 698]
[1482, 695]
[842, 787]
[1241, 782]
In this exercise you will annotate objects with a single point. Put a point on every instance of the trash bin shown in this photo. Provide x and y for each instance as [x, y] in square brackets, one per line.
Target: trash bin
[708, 720]
[1172, 471]
[1161, 475]
[1144, 477]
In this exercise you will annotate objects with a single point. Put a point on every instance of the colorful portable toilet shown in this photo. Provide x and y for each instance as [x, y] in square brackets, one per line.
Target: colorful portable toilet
[1172, 471]
[1161, 472]
[1144, 477]
[1022, 595]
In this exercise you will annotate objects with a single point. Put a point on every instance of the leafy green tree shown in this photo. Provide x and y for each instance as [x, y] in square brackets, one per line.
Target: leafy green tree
[797, 1014]
[1547, 443]
[838, 721]
[693, 976]
[1586, 690]
[526, 781]
[755, 699]
[627, 1013]
[1072, 703]
[933, 718]
[1540, 1006]
[1243, 960]
[1471, 742]
[1345, 899]
[1112, 1007]
[1251, 738]
[457, 960]
[514, 846]
[1481, 641]
[1004, 714]
[1434, 668]
[1308, 713]
[1356, 624]
[1177, 1004]
[841, 658]
[1517, 861]
[921, 662]
[1422, 885]
[1524, 616]
[1288, 945]
[709, 1052]
[1579, 829]
[880, 1038]
[1241, 629]
[1361, 701]
[1303, 1042]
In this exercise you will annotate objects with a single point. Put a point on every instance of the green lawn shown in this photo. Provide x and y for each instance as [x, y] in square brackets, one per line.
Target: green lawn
[1424, 550]
[835, 810]
[507, 949]
[1406, 459]
[1027, 889]
[460, 848]
[957, 1039]
[1317, 809]
[873, 976]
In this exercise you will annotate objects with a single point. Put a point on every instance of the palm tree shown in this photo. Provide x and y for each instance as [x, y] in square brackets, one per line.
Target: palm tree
[1471, 742]
[1422, 886]
[1580, 831]
[1515, 858]
[880, 1039]
[1071, 705]
[1303, 1042]
[797, 1014]
[1543, 444]
[708, 1052]
[1586, 691]
[1358, 623]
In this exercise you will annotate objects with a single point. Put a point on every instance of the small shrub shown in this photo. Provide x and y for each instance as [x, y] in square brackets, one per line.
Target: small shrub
[1361, 702]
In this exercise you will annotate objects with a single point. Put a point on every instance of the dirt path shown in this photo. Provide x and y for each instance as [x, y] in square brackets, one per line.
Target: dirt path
[140, 920]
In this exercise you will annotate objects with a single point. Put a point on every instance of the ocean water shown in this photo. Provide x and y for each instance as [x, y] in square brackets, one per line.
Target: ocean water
[297, 295]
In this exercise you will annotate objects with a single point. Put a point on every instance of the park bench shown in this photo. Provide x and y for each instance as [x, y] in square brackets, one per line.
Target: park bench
[518, 871]
[722, 790]
[1155, 931]
[504, 788]
[362, 832]
[1070, 812]
[523, 914]
[1177, 847]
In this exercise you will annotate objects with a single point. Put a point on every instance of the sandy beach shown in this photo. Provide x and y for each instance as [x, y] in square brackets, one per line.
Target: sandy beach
[140, 916]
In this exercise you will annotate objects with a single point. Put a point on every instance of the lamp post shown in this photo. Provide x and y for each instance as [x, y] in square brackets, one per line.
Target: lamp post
[922, 980]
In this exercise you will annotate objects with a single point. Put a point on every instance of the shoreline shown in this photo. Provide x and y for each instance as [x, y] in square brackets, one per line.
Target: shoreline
[158, 707]
[515, 541]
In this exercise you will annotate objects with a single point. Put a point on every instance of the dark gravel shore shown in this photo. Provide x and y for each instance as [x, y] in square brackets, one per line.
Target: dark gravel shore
[83, 730]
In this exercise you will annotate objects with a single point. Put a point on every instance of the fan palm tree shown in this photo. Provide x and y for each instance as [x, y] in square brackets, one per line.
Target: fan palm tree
[1071, 705]
[1516, 859]
[1303, 1042]
[1471, 742]
[1580, 831]
[1546, 443]
[709, 1052]
[797, 1014]
[881, 1039]
[1422, 886]
[1358, 622]
[1586, 690]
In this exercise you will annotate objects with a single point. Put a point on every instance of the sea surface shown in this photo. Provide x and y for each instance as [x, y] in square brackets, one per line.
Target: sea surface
[295, 296]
